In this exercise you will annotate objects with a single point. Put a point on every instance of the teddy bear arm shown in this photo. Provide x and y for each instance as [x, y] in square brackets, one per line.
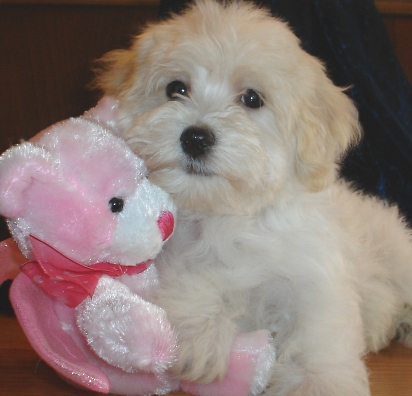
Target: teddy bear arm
[125, 330]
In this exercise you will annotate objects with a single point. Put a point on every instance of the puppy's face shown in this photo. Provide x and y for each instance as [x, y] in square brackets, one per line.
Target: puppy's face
[229, 113]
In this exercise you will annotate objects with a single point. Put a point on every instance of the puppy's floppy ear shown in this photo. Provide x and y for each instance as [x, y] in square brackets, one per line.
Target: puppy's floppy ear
[115, 71]
[326, 125]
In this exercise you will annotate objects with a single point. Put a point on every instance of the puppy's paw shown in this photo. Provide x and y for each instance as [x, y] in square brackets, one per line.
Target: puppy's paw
[203, 358]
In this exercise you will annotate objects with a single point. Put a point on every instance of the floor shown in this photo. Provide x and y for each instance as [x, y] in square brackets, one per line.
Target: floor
[22, 373]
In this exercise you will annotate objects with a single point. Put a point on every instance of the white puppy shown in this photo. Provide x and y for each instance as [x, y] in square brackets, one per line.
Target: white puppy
[245, 131]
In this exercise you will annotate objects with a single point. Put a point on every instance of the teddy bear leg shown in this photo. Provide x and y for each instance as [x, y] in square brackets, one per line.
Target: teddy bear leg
[249, 372]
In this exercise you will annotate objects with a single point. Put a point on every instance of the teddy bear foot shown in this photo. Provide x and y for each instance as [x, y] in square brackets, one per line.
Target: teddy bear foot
[249, 372]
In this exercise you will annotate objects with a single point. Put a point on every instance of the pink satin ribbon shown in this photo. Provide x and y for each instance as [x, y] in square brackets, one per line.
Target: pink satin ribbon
[66, 280]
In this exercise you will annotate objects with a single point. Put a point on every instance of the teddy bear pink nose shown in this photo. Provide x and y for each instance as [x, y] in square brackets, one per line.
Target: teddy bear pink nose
[166, 223]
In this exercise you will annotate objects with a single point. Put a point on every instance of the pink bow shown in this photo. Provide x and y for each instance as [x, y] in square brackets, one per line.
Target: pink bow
[66, 280]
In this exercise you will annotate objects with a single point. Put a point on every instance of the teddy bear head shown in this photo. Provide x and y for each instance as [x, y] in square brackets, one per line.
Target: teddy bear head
[80, 189]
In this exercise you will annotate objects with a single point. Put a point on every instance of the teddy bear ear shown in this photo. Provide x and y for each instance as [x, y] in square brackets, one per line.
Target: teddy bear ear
[20, 166]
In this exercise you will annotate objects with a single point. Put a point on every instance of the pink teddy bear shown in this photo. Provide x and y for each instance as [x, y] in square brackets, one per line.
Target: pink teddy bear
[81, 210]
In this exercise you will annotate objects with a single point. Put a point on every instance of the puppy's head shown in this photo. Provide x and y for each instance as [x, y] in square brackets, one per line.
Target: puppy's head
[230, 114]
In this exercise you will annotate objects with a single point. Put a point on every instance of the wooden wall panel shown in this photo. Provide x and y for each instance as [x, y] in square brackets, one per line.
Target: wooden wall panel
[400, 30]
[47, 54]
[397, 16]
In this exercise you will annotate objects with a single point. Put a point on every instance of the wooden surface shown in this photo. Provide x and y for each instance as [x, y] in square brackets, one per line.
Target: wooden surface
[22, 372]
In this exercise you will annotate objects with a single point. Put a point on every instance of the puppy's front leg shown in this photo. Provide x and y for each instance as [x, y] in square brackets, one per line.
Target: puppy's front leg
[204, 329]
[322, 356]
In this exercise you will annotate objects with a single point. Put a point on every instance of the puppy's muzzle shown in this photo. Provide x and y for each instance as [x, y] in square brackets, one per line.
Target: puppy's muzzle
[196, 141]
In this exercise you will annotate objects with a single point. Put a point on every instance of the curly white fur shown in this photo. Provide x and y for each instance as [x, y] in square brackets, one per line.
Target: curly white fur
[267, 236]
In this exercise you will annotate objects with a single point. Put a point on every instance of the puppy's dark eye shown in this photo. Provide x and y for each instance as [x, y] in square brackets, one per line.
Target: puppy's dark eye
[176, 89]
[252, 99]
[116, 204]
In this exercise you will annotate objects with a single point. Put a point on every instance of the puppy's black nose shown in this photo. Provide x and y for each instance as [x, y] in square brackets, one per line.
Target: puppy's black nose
[196, 141]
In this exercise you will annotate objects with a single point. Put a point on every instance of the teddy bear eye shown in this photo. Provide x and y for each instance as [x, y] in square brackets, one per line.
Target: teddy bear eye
[252, 99]
[116, 204]
[175, 89]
